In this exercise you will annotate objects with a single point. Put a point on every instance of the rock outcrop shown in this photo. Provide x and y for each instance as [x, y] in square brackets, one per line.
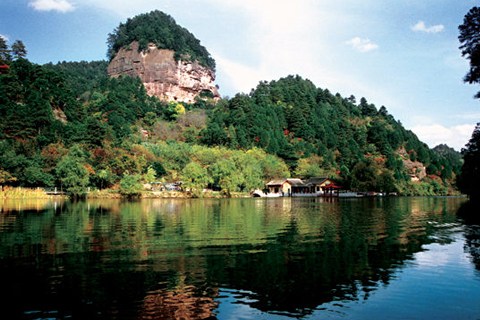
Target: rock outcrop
[162, 75]
[415, 169]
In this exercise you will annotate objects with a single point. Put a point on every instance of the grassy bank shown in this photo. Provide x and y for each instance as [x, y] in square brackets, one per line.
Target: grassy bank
[39, 193]
[115, 194]
[23, 193]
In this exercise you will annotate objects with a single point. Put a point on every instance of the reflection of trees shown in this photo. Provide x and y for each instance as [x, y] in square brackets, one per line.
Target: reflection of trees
[469, 212]
[291, 255]
[343, 254]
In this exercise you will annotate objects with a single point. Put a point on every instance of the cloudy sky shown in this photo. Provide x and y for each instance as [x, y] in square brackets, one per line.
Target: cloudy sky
[402, 54]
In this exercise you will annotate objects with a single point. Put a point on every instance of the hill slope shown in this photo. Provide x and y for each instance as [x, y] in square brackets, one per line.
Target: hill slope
[69, 125]
[318, 133]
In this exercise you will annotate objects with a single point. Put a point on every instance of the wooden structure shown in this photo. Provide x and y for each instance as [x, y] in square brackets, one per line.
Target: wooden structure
[331, 190]
[284, 187]
[313, 187]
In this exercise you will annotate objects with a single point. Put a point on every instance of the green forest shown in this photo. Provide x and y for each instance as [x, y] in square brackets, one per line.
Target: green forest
[69, 125]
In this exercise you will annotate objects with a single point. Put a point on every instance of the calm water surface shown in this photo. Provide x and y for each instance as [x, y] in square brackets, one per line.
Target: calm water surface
[400, 258]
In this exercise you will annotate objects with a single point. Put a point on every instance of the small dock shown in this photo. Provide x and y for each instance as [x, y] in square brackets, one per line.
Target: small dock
[54, 192]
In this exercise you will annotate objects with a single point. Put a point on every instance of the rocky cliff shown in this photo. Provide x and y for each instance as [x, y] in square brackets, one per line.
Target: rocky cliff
[162, 75]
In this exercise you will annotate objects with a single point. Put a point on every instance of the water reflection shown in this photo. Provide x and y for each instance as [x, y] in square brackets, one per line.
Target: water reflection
[184, 259]
[470, 213]
[181, 302]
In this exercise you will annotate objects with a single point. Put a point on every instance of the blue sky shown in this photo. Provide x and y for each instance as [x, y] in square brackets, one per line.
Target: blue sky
[402, 54]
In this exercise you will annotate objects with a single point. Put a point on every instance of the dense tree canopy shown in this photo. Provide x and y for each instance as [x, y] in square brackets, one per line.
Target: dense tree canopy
[317, 133]
[68, 125]
[162, 30]
[470, 45]
[468, 180]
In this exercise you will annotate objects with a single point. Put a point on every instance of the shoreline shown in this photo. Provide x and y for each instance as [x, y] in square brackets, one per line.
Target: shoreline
[38, 193]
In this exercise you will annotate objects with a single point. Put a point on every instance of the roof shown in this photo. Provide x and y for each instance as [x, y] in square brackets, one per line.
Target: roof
[279, 182]
[299, 182]
[317, 180]
[296, 182]
[333, 186]
[276, 182]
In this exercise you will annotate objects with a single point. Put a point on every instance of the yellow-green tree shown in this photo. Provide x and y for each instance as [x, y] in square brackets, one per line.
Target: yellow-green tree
[195, 178]
[72, 172]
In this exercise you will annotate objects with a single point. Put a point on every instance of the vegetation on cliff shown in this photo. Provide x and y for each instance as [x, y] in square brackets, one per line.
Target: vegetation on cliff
[162, 30]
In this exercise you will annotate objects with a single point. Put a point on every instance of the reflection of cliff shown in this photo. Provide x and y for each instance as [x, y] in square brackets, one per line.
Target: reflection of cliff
[181, 303]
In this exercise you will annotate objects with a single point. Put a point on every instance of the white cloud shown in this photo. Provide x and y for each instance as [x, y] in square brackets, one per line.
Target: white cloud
[362, 44]
[437, 256]
[278, 35]
[435, 134]
[4, 37]
[278, 38]
[288, 38]
[52, 5]
[241, 77]
[421, 27]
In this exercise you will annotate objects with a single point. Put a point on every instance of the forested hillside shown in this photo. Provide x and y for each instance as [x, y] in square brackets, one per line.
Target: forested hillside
[62, 126]
[321, 134]
[69, 125]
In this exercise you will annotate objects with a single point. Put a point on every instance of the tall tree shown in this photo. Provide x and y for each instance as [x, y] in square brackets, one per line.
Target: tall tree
[470, 176]
[470, 44]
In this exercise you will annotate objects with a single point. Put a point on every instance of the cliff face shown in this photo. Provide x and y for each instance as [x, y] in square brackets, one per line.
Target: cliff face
[162, 76]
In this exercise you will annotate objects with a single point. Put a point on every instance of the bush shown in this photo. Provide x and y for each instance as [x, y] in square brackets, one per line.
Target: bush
[131, 186]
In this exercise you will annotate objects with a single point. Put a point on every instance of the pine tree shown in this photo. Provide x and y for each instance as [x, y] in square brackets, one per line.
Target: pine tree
[19, 50]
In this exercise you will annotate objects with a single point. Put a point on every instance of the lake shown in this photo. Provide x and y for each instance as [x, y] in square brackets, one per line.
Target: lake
[285, 258]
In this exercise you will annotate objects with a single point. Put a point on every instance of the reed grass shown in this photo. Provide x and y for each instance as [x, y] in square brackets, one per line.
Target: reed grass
[23, 193]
